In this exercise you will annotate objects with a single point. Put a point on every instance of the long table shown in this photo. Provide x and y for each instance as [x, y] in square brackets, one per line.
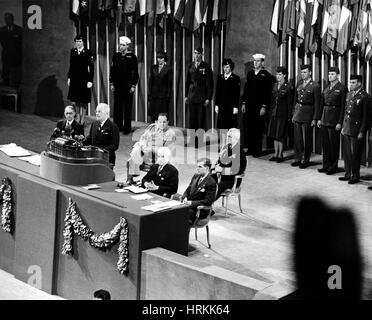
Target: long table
[33, 253]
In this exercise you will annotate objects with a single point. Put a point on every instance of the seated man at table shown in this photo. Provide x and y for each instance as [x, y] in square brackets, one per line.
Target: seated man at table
[143, 154]
[201, 190]
[231, 162]
[162, 178]
[69, 126]
[104, 133]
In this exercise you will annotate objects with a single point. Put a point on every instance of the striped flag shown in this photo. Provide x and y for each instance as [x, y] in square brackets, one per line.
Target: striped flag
[200, 13]
[343, 28]
[368, 53]
[189, 14]
[360, 34]
[301, 12]
[325, 48]
[275, 18]
[179, 9]
[75, 7]
[334, 10]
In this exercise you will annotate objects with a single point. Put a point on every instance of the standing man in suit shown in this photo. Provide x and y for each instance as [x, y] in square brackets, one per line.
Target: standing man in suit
[201, 190]
[123, 81]
[305, 113]
[332, 108]
[354, 128]
[80, 77]
[255, 101]
[162, 178]
[160, 86]
[11, 42]
[104, 133]
[199, 90]
[69, 126]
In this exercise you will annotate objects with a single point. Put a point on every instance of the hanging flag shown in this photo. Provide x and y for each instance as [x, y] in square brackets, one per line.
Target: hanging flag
[285, 23]
[119, 13]
[204, 11]
[355, 5]
[129, 6]
[75, 7]
[325, 23]
[200, 13]
[343, 28]
[334, 10]
[316, 24]
[275, 18]
[291, 30]
[368, 39]
[310, 7]
[222, 10]
[179, 9]
[301, 13]
[216, 5]
[188, 17]
[150, 10]
[361, 28]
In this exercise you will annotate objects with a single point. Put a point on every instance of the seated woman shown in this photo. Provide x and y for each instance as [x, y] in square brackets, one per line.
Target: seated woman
[69, 127]
[162, 178]
[231, 162]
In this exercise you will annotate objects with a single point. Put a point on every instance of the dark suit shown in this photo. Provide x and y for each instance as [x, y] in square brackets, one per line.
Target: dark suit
[123, 76]
[257, 93]
[76, 129]
[233, 162]
[202, 194]
[107, 137]
[160, 90]
[355, 122]
[199, 87]
[227, 98]
[80, 73]
[11, 42]
[332, 107]
[306, 109]
[166, 179]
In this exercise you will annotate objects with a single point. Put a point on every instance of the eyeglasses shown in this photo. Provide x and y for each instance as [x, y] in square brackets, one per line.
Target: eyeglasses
[68, 112]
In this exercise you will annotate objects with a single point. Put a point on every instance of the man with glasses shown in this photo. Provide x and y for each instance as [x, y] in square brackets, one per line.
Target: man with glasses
[199, 90]
[69, 127]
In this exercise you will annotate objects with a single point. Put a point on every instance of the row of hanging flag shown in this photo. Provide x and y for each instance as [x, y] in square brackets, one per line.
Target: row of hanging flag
[332, 26]
[191, 14]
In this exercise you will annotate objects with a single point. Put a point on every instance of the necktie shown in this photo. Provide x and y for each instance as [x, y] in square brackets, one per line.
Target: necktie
[159, 169]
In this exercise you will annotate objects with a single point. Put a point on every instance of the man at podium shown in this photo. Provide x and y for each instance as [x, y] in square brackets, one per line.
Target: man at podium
[104, 133]
[69, 126]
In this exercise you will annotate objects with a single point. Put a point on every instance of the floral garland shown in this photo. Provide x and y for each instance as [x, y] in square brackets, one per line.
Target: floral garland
[6, 193]
[75, 224]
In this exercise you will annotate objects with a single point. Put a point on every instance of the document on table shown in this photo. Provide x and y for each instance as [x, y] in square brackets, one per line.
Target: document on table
[35, 159]
[8, 145]
[135, 189]
[162, 206]
[92, 187]
[15, 151]
[142, 197]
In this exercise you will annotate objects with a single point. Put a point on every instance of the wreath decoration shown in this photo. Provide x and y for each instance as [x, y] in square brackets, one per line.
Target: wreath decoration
[74, 224]
[6, 196]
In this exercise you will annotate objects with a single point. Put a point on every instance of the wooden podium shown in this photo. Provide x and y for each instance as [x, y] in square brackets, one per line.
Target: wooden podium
[63, 163]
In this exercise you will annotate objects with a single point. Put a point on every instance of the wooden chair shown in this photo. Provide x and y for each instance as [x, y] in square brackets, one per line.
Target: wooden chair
[234, 191]
[10, 92]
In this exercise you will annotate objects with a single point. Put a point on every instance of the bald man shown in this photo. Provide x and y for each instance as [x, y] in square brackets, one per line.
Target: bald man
[69, 126]
[162, 178]
[104, 133]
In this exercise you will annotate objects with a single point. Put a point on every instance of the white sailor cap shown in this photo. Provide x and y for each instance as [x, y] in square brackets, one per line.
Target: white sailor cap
[124, 40]
[258, 56]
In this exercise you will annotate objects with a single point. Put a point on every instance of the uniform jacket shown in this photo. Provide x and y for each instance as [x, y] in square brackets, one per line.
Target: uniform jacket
[160, 83]
[257, 91]
[11, 41]
[124, 70]
[203, 194]
[356, 113]
[306, 102]
[332, 105]
[199, 82]
[81, 72]
[166, 179]
[107, 137]
[76, 128]
[281, 101]
[232, 160]
[228, 91]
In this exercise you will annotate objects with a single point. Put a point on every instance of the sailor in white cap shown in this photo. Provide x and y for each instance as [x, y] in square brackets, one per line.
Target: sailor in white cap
[123, 81]
[256, 98]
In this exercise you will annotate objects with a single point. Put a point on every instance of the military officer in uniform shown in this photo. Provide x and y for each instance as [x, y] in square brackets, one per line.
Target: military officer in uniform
[80, 77]
[354, 128]
[123, 81]
[255, 101]
[305, 113]
[199, 90]
[332, 107]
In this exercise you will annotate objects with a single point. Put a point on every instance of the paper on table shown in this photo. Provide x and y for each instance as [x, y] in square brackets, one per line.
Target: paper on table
[92, 186]
[15, 151]
[9, 145]
[121, 190]
[135, 189]
[35, 159]
[142, 197]
[162, 206]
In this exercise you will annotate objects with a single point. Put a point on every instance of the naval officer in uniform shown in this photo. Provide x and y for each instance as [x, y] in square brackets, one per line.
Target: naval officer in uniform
[306, 106]
[332, 107]
[354, 128]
